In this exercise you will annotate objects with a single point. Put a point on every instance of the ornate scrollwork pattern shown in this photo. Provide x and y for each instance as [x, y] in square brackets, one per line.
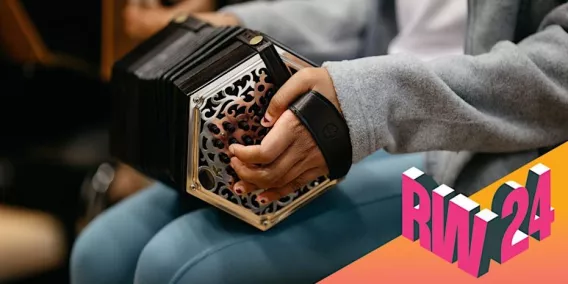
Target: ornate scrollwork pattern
[233, 115]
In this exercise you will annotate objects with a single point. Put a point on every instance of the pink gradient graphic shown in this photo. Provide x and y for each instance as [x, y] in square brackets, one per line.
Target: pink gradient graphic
[513, 241]
[477, 262]
[440, 202]
[540, 219]
[415, 217]
[460, 215]
[453, 228]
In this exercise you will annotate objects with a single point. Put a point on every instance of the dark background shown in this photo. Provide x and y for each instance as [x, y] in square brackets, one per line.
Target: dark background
[53, 120]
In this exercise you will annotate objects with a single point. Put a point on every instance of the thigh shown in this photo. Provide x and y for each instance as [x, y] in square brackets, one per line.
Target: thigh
[357, 216]
[108, 248]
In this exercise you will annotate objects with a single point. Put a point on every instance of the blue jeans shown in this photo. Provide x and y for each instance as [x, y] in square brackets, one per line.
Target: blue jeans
[151, 238]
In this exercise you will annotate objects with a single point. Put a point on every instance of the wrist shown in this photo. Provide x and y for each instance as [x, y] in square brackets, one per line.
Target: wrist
[347, 82]
[332, 97]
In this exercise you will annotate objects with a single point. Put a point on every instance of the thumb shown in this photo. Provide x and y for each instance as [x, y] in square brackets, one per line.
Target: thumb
[300, 83]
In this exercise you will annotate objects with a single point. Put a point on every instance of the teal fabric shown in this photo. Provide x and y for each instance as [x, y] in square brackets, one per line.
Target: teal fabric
[149, 239]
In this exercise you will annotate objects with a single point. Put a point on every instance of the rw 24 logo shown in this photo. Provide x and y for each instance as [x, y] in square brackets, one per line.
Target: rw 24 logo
[454, 227]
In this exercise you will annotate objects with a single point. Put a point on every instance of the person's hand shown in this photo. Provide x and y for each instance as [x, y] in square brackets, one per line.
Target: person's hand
[288, 157]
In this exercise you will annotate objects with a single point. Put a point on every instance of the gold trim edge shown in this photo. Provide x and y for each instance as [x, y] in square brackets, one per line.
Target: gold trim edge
[261, 222]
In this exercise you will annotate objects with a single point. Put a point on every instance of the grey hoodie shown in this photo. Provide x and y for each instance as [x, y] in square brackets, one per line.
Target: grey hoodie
[477, 116]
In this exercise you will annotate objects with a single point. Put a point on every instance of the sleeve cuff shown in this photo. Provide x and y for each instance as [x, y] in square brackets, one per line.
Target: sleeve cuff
[348, 87]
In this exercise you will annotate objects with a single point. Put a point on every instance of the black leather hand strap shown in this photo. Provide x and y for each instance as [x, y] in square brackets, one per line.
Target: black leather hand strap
[276, 68]
[329, 130]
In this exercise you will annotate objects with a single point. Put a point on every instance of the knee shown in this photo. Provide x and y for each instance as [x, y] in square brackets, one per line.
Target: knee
[90, 258]
[177, 253]
[159, 262]
[103, 255]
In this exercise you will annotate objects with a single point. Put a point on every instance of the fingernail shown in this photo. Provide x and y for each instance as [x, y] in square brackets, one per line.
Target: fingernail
[238, 190]
[232, 149]
[262, 200]
[266, 120]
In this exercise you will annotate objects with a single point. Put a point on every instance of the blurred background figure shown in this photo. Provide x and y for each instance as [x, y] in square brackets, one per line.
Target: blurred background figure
[31, 243]
[53, 115]
[142, 18]
[56, 173]
[145, 17]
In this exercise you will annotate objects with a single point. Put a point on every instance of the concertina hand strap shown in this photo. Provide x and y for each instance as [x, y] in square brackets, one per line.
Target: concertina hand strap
[329, 130]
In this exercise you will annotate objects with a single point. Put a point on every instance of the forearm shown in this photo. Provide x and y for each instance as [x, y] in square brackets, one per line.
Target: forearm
[510, 99]
[318, 29]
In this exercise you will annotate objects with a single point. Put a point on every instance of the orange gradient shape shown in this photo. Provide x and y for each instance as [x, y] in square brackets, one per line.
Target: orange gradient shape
[404, 261]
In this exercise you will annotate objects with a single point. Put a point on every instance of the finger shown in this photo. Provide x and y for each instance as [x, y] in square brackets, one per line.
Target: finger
[246, 172]
[292, 160]
[272, 146]
[241, 187]
[268, 176]
[274, 194]
[300, 83]
[310, 157]
[293, 173]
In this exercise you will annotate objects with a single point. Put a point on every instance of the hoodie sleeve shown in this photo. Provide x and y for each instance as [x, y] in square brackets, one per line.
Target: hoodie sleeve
[513, 98]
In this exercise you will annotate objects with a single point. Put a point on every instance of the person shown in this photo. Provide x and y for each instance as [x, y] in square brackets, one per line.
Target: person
[477, 117]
